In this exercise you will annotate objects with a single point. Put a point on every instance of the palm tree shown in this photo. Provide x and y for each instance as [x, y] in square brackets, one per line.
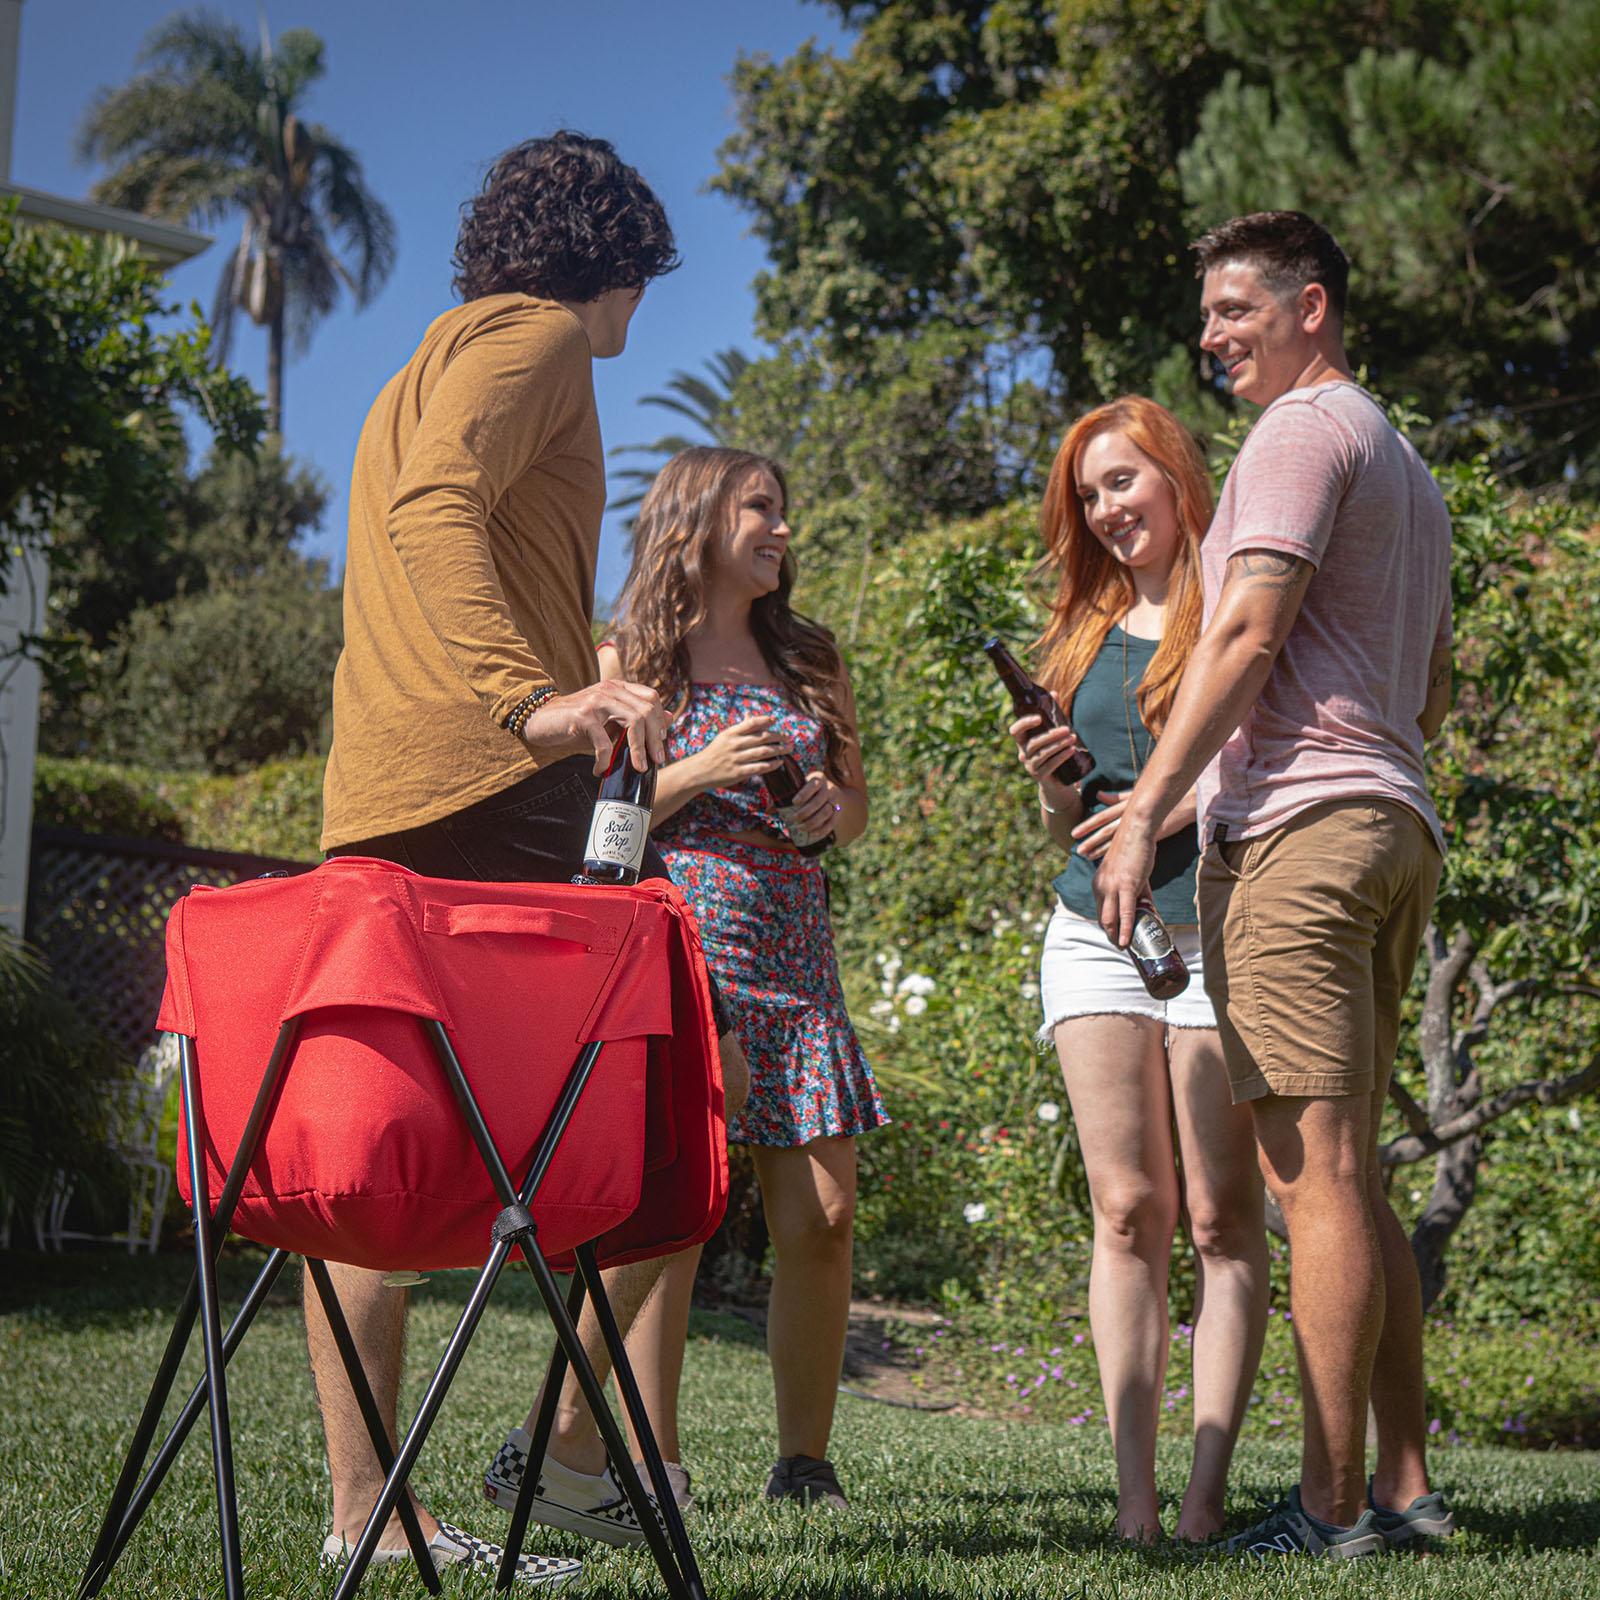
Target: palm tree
[213, 127]
[707, 403]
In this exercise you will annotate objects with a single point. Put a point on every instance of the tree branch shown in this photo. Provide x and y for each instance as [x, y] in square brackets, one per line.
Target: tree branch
[1546, 1091]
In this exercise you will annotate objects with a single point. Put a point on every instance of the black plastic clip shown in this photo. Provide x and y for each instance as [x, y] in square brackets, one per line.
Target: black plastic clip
[514, 1223]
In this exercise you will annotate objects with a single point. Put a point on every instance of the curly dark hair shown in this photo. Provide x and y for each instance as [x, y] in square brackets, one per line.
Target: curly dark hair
[565, 219]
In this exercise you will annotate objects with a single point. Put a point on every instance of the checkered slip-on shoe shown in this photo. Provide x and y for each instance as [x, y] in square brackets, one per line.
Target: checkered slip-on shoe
[592, 1506]
[454, 1547]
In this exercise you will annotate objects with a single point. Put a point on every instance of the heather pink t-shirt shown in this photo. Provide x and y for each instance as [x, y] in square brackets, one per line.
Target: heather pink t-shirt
[1325, 477]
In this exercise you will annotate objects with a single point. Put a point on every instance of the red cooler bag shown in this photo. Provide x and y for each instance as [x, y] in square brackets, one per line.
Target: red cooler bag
[366, 1157]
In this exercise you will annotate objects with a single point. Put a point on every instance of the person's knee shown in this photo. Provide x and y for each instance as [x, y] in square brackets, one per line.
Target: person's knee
[1224, 1227]
[735, 1073]
[821, 1231]
[1136, 1215]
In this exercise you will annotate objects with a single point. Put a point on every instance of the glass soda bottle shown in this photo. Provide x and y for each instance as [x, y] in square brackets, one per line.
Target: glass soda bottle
[1032, 700]
[1155, 955]
[783, 783]
[620, 826]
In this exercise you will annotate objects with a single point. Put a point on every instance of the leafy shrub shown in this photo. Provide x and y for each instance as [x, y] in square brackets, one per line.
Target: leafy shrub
[224, 680]
[97, 797]
[272, 810]
[55, 1072]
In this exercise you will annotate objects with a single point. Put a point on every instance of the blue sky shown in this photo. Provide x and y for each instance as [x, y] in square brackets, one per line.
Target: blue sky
[426, 94]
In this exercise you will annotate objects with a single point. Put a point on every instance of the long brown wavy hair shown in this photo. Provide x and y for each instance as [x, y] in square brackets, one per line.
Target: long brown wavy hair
[693, 502]
[1092, 590]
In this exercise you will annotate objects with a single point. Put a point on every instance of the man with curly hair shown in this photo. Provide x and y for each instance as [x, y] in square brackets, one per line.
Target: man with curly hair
[469, 722]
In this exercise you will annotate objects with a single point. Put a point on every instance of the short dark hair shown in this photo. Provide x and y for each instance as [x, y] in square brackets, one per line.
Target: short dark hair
[1288, 248]
[563, 218]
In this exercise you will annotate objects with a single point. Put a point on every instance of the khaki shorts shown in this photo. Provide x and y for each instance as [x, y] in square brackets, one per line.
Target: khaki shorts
[1310, 933]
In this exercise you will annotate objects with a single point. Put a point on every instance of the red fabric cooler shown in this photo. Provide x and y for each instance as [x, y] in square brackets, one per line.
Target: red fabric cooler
[365, 1157]
[405, 1072]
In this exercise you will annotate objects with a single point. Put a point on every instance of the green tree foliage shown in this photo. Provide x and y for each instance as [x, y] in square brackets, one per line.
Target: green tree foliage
[1028, 175]
[226, 679]
[89, 391]
[214, 127]
[216, 645]
[1453, 148]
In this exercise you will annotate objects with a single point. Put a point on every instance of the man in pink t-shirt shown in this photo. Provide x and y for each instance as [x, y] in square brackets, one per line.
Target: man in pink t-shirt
[1323, 665]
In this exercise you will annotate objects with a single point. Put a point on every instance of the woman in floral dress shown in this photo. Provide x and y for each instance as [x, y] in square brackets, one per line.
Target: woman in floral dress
[705, 619]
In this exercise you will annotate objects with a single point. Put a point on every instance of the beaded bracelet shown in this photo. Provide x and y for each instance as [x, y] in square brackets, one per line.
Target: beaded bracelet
[527, 705]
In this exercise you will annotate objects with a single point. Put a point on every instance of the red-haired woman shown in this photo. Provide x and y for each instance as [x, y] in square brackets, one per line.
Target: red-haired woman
[705, 620]
[1127, 505]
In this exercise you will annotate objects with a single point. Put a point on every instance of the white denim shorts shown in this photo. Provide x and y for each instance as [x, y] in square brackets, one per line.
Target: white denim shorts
[1082, 974]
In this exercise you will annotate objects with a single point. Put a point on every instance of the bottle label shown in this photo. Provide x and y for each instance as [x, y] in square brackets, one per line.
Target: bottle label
[1150, 941]
[799, 837]
[617, 834]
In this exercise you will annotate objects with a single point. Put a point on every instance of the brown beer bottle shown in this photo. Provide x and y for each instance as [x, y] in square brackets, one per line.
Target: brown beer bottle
[1155, 955]
[784, 782]
[1030, 700]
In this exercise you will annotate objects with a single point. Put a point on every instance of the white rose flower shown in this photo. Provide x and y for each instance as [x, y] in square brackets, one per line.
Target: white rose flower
[1028, 989]
[975, 1211]
[917, 983]
[881, 1008]
[1049, 1111]
[915, 1005]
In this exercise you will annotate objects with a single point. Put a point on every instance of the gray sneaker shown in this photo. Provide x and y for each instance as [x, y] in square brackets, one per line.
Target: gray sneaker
[808, 1480]
[1288, 1530]
[1427, 1517]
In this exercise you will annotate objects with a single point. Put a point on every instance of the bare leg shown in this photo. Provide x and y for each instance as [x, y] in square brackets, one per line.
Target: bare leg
[1115, 1069]
[1399, 1396]
[655, 1346]
[809, 1196]
[1314, 1153]
[377, 1318]
[1222, 1193]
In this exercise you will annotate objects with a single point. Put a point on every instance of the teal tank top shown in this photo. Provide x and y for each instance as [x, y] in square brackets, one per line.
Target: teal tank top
[1105, 713]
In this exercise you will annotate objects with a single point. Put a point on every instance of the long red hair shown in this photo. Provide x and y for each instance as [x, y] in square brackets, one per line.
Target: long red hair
[1092, 589]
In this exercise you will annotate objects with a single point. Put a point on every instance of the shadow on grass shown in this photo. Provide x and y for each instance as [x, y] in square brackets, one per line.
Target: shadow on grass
[1556, 1522]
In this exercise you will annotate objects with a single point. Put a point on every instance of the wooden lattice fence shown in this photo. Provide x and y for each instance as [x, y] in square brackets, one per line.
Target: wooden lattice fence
[97, 911]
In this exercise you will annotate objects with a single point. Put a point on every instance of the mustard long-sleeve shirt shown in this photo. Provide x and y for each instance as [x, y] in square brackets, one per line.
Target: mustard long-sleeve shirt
[475, 507]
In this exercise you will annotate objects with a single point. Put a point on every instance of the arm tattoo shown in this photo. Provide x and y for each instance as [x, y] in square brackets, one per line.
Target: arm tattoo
[1441, 674]
[1267, 569]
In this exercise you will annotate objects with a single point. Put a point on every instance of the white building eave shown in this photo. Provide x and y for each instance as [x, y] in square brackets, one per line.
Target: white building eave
[164, 243]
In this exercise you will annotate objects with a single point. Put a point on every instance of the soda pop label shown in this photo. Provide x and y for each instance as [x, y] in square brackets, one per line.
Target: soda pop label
[617, 834]
[1150, 941]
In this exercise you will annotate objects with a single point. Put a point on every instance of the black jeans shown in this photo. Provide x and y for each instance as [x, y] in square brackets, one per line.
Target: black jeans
[533, 832]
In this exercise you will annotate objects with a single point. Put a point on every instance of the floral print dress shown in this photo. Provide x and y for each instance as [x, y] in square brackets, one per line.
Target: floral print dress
[763, 917]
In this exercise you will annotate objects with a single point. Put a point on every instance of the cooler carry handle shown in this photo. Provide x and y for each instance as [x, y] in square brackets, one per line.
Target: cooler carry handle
[545, 921]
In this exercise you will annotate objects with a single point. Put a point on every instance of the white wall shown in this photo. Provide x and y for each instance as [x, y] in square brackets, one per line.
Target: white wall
[21, 612]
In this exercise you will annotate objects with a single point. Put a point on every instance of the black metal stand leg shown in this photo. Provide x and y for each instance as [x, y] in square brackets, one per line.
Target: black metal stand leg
[377, 1432]
[193, 1406]
[633, 1401]
[554, 1376]
[103, 1554]
[422, 1423]
[594, 1397]
[211, 1331]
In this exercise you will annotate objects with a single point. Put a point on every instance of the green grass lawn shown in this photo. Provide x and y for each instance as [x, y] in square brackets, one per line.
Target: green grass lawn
[944, 1506]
